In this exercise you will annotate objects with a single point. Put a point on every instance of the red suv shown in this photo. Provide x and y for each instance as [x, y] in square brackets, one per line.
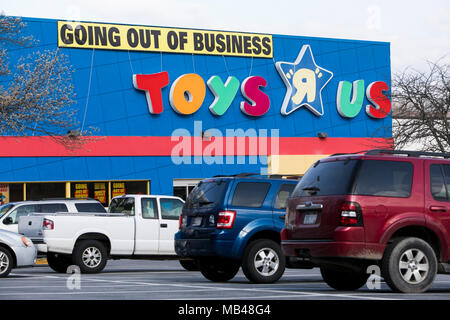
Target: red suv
[385, 208]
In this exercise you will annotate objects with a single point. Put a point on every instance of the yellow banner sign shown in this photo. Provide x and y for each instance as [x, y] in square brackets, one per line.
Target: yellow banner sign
[154, 39]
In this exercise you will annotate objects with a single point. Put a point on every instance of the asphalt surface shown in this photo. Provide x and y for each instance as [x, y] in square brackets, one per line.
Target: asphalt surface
[167, 280]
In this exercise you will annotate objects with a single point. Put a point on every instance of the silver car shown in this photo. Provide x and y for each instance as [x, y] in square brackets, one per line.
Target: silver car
[15, 251]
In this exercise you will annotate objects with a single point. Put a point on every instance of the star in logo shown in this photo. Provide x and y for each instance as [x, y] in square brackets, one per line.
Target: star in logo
[304, 82]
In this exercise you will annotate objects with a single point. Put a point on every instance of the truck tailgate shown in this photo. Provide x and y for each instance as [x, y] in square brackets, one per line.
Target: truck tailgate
[31, 226]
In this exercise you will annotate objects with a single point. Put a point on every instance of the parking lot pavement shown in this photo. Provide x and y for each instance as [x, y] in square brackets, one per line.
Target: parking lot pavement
[152, 280]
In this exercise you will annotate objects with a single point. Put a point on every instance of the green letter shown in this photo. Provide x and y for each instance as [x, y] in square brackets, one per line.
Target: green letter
[224, 94]
[347, 108]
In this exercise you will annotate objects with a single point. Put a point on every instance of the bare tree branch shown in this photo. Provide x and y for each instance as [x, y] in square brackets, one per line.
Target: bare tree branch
[421, 106]
[39, 96]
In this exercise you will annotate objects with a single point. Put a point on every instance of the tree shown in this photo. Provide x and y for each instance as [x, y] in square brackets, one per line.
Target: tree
[37, 96]
[421, 105]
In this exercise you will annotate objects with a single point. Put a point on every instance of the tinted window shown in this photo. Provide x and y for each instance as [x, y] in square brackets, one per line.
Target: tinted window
[170, 208]
[149, 210]
[282, 196]
[122, 205]
[439, 186]
[250, 194]
[327, 178]
[384, 179]
[22, 211]
[53, 207]
[206, 194]
[90, 207]
[4, 208]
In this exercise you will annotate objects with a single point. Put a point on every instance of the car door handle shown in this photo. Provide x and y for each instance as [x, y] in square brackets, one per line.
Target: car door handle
[438, 208]
[163, 225]
[282, 217]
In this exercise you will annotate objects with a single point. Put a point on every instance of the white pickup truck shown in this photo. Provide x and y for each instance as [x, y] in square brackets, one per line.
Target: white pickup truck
[135, 227]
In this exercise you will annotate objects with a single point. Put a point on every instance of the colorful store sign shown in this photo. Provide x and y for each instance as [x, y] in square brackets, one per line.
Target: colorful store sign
[304, 81]
[307, 79]
[154, 39]
[304, 78]
[187, 93]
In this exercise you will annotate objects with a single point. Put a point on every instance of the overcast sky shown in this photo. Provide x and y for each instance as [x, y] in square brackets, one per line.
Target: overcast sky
[417, 30]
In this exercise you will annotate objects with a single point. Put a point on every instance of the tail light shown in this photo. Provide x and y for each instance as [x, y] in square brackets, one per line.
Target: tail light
[48, 224]
[179, 221]
[182, 222]
[351, 214]
[225, 219]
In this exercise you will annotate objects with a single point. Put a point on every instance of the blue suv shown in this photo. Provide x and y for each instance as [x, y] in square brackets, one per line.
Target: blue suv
[233, 221]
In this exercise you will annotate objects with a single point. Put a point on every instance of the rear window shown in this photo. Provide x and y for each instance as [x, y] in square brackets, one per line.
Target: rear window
[207, 194]
[90, 207]
[250, 194]
[327, 178]
[122, 205]
[384, 179]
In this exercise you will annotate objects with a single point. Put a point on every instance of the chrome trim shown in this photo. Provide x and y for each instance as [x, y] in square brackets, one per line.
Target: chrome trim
[309, 206]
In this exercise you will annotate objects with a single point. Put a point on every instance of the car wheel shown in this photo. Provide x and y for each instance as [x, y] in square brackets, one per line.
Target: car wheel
[90, 256]
[6, 262]
[409, 265]
[218, 270]
[58, 262]
[189, 265]
[343, 279]
[263, 261]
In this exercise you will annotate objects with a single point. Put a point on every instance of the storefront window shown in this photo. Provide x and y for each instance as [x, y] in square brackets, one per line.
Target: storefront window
[94, 190]
[119, 188]
[103, 191]
[38, 191]
[15, 192]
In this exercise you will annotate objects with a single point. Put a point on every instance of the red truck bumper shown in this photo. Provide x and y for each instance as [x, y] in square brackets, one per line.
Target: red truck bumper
[345, 244]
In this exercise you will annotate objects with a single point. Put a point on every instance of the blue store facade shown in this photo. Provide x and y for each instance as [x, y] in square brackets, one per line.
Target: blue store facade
[166, 101]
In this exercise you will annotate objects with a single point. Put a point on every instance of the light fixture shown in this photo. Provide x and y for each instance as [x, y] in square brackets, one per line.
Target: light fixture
[322, 135]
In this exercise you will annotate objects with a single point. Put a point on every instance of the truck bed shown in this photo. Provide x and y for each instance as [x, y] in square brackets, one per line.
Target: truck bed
[68, 227]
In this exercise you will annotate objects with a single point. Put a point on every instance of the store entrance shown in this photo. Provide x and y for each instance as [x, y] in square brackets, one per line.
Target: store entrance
[182, 187]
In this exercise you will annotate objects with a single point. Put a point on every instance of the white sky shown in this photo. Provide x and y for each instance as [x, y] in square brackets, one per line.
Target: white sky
[418, 30]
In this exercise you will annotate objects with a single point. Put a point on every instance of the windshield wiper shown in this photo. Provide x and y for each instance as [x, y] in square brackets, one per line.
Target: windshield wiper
[311, 189]
[204, 203]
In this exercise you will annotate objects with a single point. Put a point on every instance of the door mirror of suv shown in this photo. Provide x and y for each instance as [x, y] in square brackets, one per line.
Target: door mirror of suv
[8, 220]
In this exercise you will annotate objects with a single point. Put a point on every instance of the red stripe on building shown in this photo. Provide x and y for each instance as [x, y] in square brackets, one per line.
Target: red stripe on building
[114, 146]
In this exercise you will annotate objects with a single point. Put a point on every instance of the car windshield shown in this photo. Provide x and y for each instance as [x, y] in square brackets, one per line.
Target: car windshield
[5, 208]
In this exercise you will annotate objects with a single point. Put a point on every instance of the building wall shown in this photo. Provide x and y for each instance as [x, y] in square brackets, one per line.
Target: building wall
[117, 109]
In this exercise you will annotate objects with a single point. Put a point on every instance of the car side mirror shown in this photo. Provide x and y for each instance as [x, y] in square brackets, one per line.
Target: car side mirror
[8, 220]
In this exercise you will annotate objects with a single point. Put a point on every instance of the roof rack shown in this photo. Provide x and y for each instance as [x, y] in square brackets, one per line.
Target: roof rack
[272, 176]
[243, 174]
[286, 176]
[346, 153]
[53, 199]
[409, 153]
